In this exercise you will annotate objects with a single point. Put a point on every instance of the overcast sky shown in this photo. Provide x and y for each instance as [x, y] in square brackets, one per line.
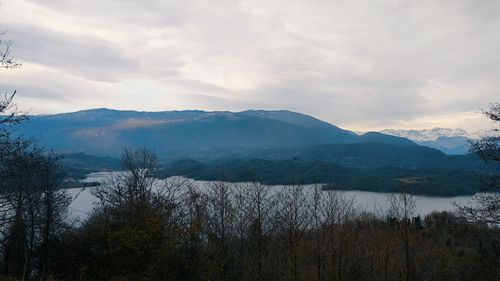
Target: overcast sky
[357, 64]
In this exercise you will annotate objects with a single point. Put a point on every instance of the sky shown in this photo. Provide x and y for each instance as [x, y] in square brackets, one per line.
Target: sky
[358, 64]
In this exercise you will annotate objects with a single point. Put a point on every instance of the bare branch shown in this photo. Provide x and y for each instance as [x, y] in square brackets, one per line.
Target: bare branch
[6, 60]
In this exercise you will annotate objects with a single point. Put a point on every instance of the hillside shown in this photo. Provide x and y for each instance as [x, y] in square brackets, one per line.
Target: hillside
[178, 134]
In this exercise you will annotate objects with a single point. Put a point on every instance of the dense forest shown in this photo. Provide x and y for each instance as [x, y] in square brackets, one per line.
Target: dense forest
[425, 181]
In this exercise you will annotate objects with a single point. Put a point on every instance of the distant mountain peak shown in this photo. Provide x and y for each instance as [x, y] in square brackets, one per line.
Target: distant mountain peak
[427, 134]
[450, 141]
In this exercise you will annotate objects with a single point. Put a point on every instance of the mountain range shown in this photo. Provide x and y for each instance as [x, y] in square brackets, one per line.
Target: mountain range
[277, 147]
[450, 141]
[178, 134]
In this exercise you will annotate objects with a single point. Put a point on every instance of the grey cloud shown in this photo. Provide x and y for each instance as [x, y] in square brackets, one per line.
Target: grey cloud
[39, 92]
[345, 61]
[197, 85]
[202, 101]
[147, 12]
[85, 55]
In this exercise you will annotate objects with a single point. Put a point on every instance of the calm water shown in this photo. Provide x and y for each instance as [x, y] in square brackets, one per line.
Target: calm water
[369, 201]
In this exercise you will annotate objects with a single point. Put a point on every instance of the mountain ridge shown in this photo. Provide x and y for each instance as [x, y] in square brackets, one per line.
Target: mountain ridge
[450, 141]
[427, 134]
[105, 132]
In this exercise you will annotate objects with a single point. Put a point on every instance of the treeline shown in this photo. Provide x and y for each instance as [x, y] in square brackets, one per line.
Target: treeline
[144, 229]
[425, 181]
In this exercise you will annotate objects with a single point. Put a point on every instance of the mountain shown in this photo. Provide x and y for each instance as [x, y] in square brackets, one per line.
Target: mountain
[450, 141]
[426, 134]
[277, 147]
[377, 137]
[379, 155]
[449, 145]
[190, 133]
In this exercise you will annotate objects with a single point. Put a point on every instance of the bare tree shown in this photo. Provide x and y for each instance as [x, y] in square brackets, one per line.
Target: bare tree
[8, 110]
[53, 211]
[6, 59]
[488, 146]
[485, 207]
[194, 224]
[402, 208]
[34, 212]
[338, 210]
[135, 184]
[19, 187]
[11, 206]
[169, 198]
[220, 219]
[294, 219]
[9, 113]
[259, 215]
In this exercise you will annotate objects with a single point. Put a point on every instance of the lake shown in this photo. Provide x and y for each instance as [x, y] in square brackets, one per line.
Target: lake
[369, 201]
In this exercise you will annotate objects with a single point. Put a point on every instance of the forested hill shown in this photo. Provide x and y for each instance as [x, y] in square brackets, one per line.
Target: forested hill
[105, 132]
[370, 166]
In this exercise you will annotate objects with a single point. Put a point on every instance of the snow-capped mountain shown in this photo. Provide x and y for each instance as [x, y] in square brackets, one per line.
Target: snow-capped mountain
[427, 134]
[450, 141]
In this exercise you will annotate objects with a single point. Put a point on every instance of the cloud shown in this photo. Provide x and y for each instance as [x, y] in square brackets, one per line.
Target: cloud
[146, 12]
[85, 55]
[356, 64]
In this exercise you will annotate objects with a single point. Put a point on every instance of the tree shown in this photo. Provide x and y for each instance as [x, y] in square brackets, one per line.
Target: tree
[6, 59]
[17, 160]
[316, 205]
[485, 207]
[34, 212]
[220, 219]
[259, 215]
[293, 219]
[488, 146]
[402, 207]
[340, 235]
[52, 213]
[128, 224]
[195, 207]
[134, 185]
[8, 111]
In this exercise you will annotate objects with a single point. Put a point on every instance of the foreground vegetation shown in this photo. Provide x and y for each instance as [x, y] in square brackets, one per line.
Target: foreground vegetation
[227, 232]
